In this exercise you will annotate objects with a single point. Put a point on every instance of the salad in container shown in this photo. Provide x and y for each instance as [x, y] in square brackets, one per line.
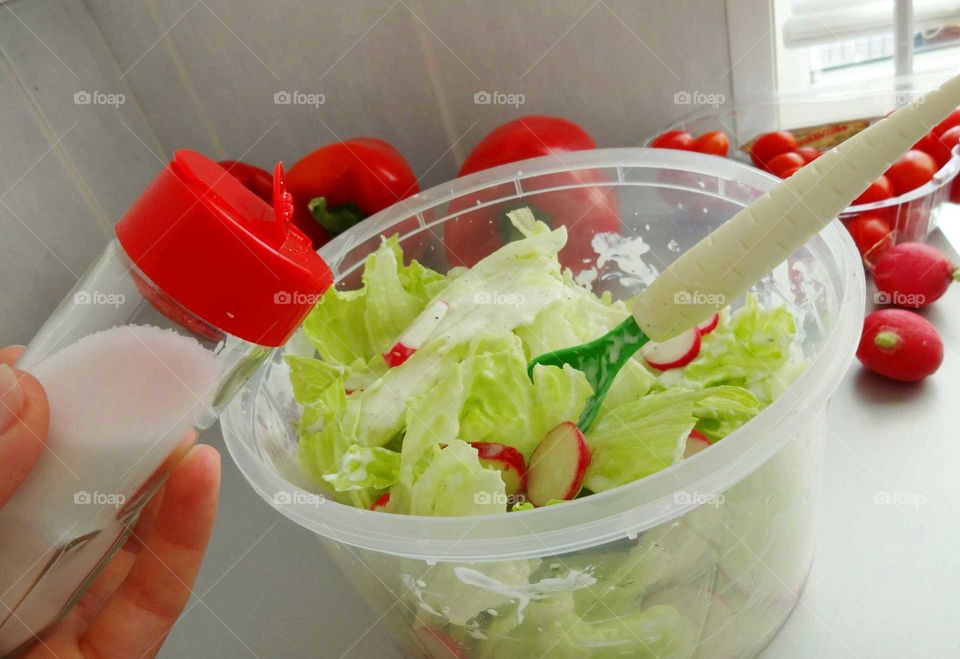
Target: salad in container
[783, 134]
[453, 487]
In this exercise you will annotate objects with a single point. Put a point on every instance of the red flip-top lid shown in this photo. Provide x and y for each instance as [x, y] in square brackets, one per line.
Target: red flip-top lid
[222, 253]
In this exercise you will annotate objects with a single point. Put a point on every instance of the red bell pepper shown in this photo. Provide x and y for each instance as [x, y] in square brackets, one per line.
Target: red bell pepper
[585, 210]
[256, 180]
[340, 184]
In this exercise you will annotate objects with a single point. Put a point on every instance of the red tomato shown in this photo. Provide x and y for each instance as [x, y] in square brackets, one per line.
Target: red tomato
[878, 191]
[780, 164]
[948, 140]
[871, 234]
[953, 119]
[913, 169]
[673, 139]
[769, 145]
[809, 153]
[934, 147]
[715, 143]
[790, 172]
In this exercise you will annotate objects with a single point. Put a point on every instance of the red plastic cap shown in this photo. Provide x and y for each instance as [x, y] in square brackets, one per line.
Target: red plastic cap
[222, 253]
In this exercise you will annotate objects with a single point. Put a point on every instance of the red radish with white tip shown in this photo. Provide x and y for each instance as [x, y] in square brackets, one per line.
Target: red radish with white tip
[696, 442]
[415, 335]
[508, 460]
[558, 465]
[440, 645]
[914, 274]
[673, 353]
[900, 344]
[381, 504]
[709, 324]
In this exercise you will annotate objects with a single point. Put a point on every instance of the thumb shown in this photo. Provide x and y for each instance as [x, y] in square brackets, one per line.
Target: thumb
[24, 419]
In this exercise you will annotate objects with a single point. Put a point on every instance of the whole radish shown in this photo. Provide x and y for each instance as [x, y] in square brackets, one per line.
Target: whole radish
[913, 275]
[900, 344]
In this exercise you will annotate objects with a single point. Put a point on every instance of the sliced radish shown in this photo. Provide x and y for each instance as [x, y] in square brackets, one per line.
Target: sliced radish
[415, 335]
[557, 465]
[696, 442]
[709, 325]
[508, 460]
[673, 353]
[380, 504]
[439, 645]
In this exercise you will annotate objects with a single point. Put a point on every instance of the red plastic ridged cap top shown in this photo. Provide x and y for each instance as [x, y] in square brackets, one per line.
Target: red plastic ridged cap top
[223, 254]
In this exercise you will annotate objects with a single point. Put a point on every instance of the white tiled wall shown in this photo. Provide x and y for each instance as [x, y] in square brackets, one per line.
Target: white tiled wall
[203, 74]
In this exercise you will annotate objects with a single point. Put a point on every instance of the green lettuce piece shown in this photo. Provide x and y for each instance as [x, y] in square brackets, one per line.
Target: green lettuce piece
[363, 467]
[347, 326]
[657, 632]
[745, 350]
[642, 437]
[310, 377]
[455, 483]
[560, 395]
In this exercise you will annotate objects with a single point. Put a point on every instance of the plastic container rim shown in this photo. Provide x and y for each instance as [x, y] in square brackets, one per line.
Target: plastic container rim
[599, 518]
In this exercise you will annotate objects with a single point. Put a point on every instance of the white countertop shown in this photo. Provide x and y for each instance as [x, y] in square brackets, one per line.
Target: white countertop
[882, 585]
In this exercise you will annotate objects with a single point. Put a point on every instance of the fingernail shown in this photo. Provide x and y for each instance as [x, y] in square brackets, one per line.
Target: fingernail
[11, 397]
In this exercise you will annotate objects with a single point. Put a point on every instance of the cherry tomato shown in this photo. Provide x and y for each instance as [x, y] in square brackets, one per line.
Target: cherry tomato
[790, 172]
[715, 143]
[913, 169]
[878, 191]
[673, 139]
[769, 145]
[953, 119]
[934, 147]
[809, 153]
[871, 234]
[780, 164]
[950, 139]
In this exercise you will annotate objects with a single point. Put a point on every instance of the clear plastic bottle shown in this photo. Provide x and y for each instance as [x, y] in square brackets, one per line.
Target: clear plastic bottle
[203, 280]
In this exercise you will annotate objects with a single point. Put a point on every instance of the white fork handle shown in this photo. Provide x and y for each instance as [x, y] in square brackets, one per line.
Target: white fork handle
[761, 236]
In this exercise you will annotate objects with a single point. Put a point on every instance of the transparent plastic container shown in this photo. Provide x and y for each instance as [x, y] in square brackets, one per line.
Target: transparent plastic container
[132, 373]
[911, 216]
[703, 559]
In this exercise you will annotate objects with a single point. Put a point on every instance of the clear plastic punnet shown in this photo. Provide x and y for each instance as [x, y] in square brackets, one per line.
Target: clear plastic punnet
[141, 356]
[703, 559]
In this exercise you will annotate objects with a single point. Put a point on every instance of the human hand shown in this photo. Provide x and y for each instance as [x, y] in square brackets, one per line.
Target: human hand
[135, 601]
